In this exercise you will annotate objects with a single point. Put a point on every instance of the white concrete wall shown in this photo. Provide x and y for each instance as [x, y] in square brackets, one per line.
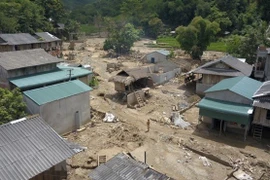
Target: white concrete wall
[60, 114]
[160, 78]
[158, 57]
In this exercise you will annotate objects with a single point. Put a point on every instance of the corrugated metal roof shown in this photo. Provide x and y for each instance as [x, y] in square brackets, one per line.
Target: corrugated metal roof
[234, 112]
[18, 39]
[46, 78]
[55, 92]
[28, 147]
[242, 68]
[123, 167]
[46, 37]
[263, 91]
[27, 58]
[164, 52]
[243, 86]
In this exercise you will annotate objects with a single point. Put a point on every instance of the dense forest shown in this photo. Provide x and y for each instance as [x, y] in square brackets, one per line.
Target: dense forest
[243, 21]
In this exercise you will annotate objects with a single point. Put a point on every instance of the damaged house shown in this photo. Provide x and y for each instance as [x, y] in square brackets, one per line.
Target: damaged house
[228, 104]
[261, 104]
[31, 149]
[213, 72]
[135, 82]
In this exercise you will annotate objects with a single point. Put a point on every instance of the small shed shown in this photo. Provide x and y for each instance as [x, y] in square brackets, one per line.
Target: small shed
[156, 56]
[31, 149]
[229, 103]
[21, 63]
[213, 72]
[125, 167]
[261, 105]
[64, 106]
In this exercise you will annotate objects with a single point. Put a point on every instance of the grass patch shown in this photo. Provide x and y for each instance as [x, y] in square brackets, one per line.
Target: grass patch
[88, 29]
[168, 42]
[217, 46]
[171, 42]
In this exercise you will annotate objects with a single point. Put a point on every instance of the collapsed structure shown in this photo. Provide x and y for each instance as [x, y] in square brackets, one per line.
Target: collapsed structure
[135, 82]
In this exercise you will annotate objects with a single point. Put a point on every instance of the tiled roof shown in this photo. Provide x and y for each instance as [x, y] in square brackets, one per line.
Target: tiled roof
[50, 77]
[29, 147]
[55, 92]
[242, 85]
[27, 58]
[239, 68]
[18, 39]
[124, 167]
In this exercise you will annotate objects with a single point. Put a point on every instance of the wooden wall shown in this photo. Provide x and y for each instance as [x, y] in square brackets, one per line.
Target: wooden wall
[260, 117]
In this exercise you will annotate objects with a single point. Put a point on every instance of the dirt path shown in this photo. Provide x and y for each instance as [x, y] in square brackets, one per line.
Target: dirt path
[164, 144]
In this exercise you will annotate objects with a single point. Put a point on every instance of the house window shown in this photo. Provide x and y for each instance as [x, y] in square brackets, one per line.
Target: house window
[268, 115]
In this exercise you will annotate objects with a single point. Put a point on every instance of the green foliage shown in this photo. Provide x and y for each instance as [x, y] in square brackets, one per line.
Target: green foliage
[217, 46]
[88, 28]
[11, 105]
[195, 37]
[168, 40]
[246, 46]
[22, 16]
[94, 82]
[121, 39]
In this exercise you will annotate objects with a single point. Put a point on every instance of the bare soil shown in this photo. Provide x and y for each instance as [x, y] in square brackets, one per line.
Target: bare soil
[171, 150]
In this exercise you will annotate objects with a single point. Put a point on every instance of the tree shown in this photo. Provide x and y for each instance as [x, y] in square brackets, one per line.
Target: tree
[11, 105]
[246, 46]
[121, 39]
[195, 37]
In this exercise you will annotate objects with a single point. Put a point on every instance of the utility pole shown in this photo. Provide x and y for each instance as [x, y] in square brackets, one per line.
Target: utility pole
[70, 74]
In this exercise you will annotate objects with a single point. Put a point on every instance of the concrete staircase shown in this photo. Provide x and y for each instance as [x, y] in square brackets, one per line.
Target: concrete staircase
[257, 131]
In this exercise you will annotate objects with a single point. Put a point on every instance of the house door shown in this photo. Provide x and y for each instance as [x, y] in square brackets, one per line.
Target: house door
[152, 60]
[77, 120]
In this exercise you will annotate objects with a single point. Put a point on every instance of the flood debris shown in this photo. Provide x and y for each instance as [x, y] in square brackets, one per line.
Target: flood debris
[205, 161]
[241, 175]
[178, 120]
[109, 117]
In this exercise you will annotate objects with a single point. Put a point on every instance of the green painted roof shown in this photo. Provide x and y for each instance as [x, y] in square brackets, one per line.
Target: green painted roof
[242, 85]
[224, 110]
[45, 78]
[55, 92]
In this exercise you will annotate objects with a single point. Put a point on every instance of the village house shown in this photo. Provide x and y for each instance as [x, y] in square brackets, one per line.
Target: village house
[228, 104]
[23, 63]
[262, 64]
[261, 103]
[64, 106]
[31, 149]
[156, 56]
[123, 167]
[135, 82]
[24, 41]
[214, 71]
